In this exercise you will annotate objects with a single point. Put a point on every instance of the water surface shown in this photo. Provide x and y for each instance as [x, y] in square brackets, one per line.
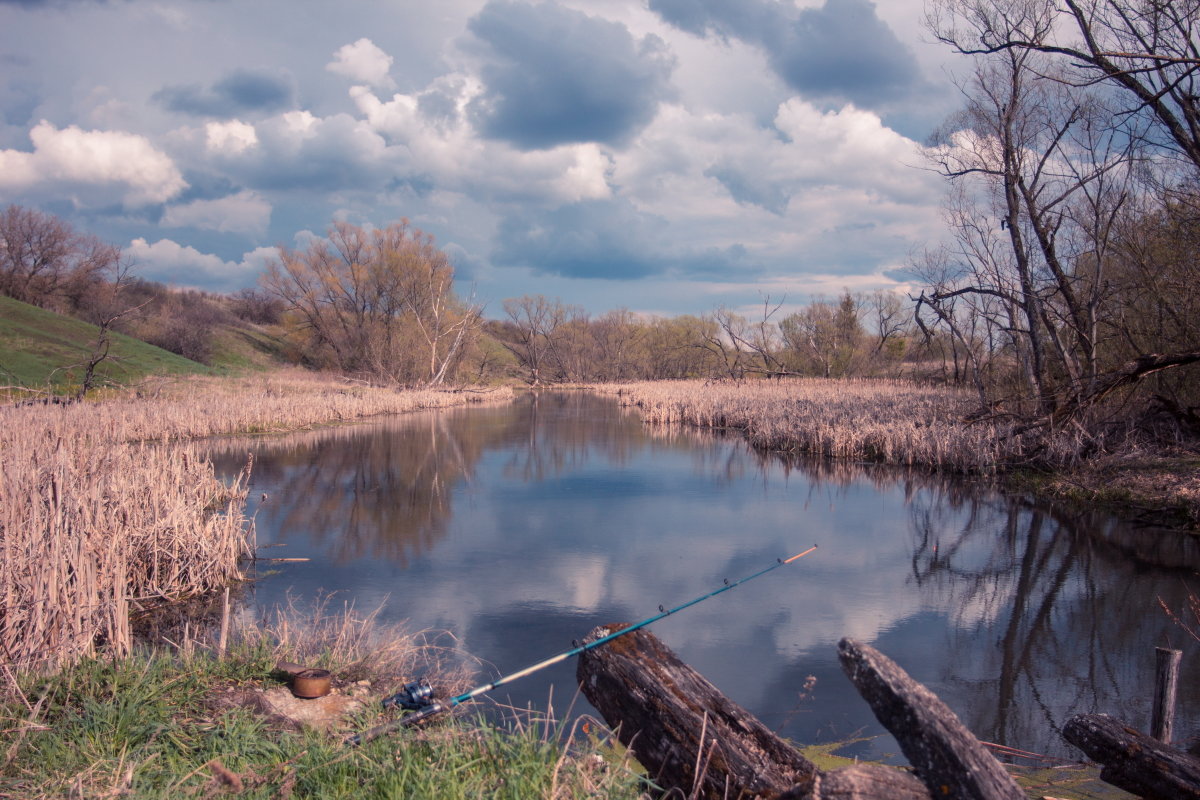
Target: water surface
[519, 528]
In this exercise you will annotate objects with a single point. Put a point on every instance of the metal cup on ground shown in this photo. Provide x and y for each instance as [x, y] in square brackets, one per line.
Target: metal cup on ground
[306, 683]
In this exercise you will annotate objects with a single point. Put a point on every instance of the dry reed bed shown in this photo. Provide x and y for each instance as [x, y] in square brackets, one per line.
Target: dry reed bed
[892, 421]
[93, 518]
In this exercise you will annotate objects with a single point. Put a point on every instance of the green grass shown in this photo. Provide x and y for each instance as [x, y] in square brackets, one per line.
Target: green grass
[249, 348]
[41, 349]
[152, 726]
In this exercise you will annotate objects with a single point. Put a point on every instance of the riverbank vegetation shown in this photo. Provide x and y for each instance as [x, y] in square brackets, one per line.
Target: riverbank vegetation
[939, 427]
[106, 509]
[178, 722]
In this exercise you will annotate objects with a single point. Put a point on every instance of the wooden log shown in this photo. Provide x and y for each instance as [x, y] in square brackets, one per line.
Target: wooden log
[687, 734]
[862, 782]
[1166, 682]
[945, 755]
[1133, 761]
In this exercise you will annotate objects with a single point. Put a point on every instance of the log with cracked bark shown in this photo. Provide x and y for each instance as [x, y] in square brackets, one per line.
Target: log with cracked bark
[945, 755]
[693, 739]
[1133, 761]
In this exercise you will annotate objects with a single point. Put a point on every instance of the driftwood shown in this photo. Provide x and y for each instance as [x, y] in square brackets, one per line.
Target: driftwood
[1134, 761]
[686, 733]
[695, 741]
[945, 755]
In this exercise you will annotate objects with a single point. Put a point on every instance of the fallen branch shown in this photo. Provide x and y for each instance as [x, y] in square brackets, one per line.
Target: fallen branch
[1133, 761]
[945, 755]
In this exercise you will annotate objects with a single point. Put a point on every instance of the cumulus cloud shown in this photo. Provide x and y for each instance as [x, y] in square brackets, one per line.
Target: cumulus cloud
[819, 192]
[437, 143]
[241, 91]
[839, 51]
[685, 157]
[553, 75]
[363, 61]
[246, 212]
[90, 166]
[300, 150]
[170, 262]
[233, 136]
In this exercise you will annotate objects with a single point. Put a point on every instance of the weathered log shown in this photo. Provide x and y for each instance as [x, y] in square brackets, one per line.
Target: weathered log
[1133, 761]
[687, 734]
[862, 782]
[945, 755]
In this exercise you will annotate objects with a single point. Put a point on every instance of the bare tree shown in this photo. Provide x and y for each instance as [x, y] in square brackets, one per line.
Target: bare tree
[44, 261]
[824, 338]
[679, 347]
[762, 337]
[1042, 176]
[1145, 48]
[375, 301]
[533, 331]
[617, 336]
[725, 340]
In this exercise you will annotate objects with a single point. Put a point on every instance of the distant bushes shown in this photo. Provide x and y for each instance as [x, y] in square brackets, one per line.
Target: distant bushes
[256, 306]
[182, 321]
[47, 263]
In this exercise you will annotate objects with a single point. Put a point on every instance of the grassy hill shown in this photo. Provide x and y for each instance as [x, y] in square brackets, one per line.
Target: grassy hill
[248, 347]
[39, 348]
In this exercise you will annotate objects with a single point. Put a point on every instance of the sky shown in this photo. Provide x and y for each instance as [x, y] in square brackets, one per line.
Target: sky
[663, 156]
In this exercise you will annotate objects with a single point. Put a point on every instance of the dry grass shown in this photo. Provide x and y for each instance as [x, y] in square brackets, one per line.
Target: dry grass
[356, 646]
[95, 513]
[892, 421]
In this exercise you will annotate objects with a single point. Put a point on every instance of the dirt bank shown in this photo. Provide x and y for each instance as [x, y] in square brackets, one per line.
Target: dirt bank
[1161, 490]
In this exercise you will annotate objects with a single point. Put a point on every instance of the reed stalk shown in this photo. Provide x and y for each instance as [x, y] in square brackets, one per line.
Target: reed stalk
[888, 421]
[106, 506]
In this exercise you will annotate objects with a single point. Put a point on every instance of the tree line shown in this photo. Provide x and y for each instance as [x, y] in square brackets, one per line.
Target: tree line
[861, 334]
[379, 304]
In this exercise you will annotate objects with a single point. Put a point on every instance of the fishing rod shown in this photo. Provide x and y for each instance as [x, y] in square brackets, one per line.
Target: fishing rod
[419, 695]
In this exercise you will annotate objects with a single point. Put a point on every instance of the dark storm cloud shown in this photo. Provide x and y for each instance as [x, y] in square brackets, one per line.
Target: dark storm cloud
[841, 50]
[18, 101]
[44, 3]
[750, 189]
[556, 76]
[590, 239]
[607, 239]
[744, 19]
[205, 186]
[241, 91]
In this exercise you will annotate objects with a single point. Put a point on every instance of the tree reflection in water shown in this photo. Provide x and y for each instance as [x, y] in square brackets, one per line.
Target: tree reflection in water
[530, 523]
[379, 490]
[1069, 601]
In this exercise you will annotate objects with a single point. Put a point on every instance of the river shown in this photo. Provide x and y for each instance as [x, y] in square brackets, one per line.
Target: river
[519, 528]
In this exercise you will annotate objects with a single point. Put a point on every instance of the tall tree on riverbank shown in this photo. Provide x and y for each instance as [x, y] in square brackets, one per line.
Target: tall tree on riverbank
[1063, 150]
[1146, 50]
[375, 302]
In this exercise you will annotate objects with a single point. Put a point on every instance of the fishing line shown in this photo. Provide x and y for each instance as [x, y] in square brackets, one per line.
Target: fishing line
[429, 707]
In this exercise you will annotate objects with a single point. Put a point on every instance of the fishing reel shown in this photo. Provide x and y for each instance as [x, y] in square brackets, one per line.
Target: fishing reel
[414, 697]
